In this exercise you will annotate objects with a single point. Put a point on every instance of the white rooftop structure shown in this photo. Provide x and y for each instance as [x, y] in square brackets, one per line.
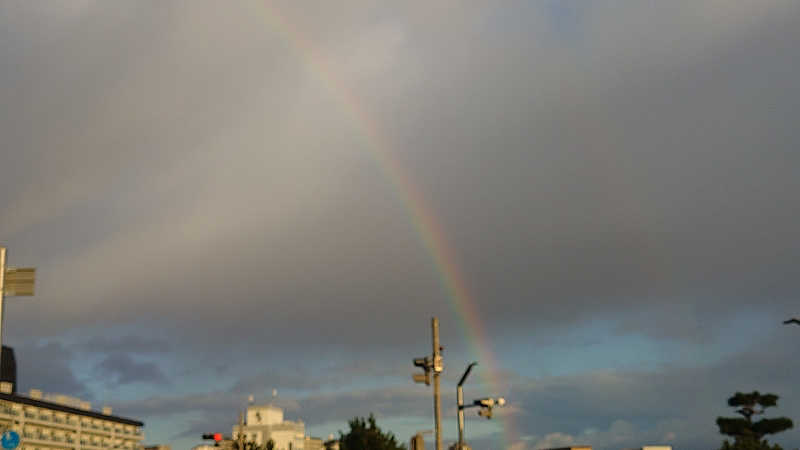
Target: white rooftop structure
[265, 422]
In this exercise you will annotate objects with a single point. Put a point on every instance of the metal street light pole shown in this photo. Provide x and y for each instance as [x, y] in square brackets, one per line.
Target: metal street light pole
[437, 369]
[460, 399]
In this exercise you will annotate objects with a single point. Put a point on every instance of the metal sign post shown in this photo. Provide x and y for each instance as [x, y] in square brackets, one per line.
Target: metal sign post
[2, 297]
[14, 282]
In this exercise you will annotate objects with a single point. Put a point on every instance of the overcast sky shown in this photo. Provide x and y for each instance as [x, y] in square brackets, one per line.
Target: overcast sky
[206, 190]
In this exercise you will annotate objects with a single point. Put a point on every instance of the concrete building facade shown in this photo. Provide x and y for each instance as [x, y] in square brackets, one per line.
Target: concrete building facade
[65, 423]
[313, 443]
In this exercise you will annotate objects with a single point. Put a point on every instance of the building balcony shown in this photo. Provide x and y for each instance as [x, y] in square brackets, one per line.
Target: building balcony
[96, 431]
[92, 445]
[39, 437]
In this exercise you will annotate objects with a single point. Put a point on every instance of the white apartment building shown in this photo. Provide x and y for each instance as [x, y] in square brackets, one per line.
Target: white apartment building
[65, 423]
[266, 422]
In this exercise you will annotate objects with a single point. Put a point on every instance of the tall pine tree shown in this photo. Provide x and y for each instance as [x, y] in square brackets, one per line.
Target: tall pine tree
[749, 435]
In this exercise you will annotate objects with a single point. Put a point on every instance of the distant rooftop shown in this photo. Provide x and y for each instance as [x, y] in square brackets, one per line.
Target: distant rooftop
[16, 398]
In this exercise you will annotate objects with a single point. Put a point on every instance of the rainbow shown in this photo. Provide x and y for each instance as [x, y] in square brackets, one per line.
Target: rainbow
[422, 216]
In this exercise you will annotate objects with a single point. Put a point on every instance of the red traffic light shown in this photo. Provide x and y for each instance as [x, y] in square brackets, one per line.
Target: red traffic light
[215, 436]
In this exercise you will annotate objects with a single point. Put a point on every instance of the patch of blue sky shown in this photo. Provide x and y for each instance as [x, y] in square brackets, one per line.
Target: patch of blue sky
[599, 344]
[590, 346]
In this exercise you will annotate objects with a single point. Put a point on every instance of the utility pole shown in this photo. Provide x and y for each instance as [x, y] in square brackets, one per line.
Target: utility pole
[460, 400]
[433, 364]
[241, 431]
[438, 367]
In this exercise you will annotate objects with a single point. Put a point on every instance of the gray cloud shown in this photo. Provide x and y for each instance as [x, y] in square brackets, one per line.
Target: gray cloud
[169, 405]
[569, 184]
[127, 344]
[120, 369]
[46, 366]
[679, 403]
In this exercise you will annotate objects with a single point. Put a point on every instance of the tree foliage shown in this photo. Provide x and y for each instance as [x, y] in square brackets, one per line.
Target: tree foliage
[365, 434]
[749, 435]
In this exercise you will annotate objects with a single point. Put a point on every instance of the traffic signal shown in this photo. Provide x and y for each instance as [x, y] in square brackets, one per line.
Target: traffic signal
[487, 404]
[215, 436]
[422, 378]
[484, 402]
[424, 364]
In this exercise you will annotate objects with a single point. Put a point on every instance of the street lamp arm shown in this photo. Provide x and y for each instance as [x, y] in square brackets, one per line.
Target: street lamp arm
[466, 373]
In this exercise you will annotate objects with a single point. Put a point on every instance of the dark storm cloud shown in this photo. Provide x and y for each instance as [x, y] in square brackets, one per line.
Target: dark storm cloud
[120, 368]
[312, 377]
[306, 397]
[126, 344]
[46, 367]
[637, 182]
[218, 410]
[613, 172]
[162, 405]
